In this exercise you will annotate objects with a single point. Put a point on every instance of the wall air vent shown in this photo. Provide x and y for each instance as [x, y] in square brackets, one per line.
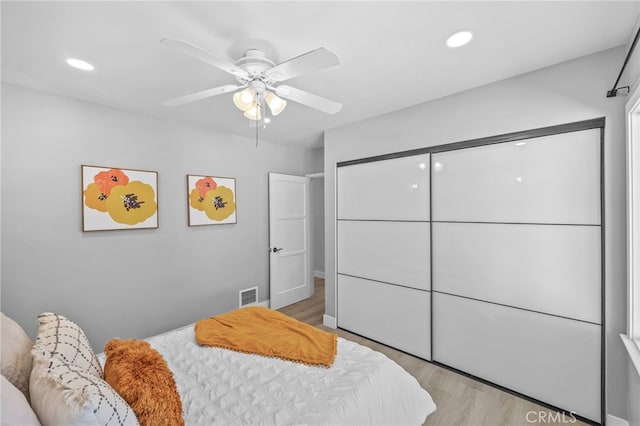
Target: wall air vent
[248, 296]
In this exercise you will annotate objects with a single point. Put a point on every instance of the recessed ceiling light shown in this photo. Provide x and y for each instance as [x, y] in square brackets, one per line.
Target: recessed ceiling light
[79, 64]
[459, 39]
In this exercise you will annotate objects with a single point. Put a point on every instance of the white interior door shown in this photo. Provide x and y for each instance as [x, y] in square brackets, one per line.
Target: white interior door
[290, 271]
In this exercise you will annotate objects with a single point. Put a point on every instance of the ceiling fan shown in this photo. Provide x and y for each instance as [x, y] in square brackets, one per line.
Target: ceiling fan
[259, 80]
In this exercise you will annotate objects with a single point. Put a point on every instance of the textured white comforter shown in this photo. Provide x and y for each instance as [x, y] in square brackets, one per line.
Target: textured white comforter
[222, 387]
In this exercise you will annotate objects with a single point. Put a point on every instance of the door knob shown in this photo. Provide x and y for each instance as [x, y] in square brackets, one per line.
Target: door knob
[276, 249]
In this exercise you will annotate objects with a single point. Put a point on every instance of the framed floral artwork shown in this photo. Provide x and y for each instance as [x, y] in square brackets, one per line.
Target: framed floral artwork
[211, 200]
[116, 198]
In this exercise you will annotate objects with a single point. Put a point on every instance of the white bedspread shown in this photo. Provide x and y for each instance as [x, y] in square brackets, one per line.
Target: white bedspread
[222, 387]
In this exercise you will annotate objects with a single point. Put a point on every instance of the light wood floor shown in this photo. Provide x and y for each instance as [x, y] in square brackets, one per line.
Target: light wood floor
[460, 400]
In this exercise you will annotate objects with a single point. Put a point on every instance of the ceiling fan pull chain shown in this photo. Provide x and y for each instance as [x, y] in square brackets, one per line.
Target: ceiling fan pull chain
[257, 128]
[261, 112]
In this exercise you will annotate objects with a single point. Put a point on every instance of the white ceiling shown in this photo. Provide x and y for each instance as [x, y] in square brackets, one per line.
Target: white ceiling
[392, 53]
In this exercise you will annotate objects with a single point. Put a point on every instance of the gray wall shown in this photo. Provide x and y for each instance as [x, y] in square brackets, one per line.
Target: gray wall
[567, 92]
[132, 283]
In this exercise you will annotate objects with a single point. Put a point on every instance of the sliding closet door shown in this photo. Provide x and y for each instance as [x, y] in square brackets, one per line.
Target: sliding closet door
[517, 279]
[383, 249]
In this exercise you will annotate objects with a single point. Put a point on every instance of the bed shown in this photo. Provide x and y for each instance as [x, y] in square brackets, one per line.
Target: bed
[223, 387]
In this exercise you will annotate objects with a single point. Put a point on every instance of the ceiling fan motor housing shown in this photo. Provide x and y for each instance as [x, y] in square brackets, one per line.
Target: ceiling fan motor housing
[255, 63]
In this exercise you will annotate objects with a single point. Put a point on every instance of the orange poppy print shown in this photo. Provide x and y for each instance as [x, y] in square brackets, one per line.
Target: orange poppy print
[205, 184]
[211, 200]
[115, 198]
[106, 180]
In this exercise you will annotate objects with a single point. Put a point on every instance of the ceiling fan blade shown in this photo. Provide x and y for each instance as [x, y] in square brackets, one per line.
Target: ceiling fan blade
[201, 95]
[308, 99]
[308, 62]
[204, 56]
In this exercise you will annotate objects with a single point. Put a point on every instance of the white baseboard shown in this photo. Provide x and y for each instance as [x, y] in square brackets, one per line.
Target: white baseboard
[329, 321]
[616, 421]
[318, 274]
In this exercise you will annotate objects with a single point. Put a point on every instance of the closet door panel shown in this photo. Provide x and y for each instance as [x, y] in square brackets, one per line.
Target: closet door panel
[552, 359]
[551, 269]
[393, 252]
[394, 315]
[552, 179]
[395, 189]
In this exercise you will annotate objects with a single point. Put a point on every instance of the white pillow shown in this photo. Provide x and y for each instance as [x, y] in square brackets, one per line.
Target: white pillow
[16, 411]
[64, 394]
[16, 355]
[65, 340]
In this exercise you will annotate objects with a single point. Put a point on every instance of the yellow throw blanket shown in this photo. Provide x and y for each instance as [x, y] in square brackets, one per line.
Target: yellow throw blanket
[262, 331]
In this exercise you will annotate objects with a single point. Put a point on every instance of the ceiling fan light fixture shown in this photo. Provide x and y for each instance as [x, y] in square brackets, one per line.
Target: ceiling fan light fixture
[275, 103]
[253, 113]
[244, 99]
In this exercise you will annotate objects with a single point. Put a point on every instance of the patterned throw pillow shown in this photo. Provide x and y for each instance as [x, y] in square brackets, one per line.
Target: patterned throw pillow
[64, 394]
[64, 339]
